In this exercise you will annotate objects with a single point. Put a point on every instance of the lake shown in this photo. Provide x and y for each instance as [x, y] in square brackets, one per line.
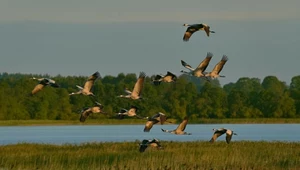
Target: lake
[76, 134]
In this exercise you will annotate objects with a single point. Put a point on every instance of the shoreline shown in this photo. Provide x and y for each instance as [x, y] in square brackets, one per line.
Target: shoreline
[141, 122]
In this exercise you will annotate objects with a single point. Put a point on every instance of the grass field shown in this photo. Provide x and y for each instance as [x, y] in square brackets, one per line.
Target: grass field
[104, 121]
[175, 155]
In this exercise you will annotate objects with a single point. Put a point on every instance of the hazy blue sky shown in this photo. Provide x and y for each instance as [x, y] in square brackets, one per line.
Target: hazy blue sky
[75, 37]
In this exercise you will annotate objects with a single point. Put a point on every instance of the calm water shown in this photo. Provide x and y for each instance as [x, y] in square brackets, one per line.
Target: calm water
[118, 133]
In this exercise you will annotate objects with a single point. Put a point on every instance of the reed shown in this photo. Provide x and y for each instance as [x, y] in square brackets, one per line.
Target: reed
[175, 155]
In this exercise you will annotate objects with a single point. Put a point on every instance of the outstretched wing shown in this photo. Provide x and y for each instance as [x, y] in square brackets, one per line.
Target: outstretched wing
[157, 80]
[148, 126]
[132, 111]
[182, 125]
[52, 83]
[189, 32]
[37, 88]
[207, 30]
[228, 138]
[162, 118]
[84, 114]
[219, 66]
[123, 111]
[90, 81]
[217, 133]
[170, 77]
[138, 87]
[229, 134]
[203, 65]
[173, 76]
[157, 77]
[144, 145]
[186, 65]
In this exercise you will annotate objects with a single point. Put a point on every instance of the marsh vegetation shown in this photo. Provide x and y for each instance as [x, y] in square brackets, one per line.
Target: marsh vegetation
[176, 155]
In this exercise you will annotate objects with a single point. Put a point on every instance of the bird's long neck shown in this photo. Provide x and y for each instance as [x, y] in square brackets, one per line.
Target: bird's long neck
[40, 79]
[125, 96]
[79, 87]
[185, 72]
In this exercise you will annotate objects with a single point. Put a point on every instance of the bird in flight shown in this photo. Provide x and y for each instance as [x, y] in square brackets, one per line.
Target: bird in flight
[194, 28]
[85, 112]
[218, 68]
[169, 77]
[200, 70]
[131, 113]
[86, 89]
[137, 89]
[42, 83]
[221, 131]
[180, 128]
[158, 117]
[154, 143]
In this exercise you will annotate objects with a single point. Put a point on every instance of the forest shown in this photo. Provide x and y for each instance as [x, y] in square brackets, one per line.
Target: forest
[188, 96]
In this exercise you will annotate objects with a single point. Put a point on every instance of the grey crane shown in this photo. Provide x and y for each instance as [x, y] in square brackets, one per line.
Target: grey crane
[42, 83]
[194, 28]
[218, 68]
[131, 113]
[169, 77]
[158, 117]
[221, 131]
[137, 89]
[86, 89]
[200, 70]
[85, 112]
[153, 143]
[180, 128]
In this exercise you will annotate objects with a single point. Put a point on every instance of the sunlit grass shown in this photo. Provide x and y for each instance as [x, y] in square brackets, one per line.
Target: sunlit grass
[247, 121]
[176, 155]
[132, 121]
[70, 122]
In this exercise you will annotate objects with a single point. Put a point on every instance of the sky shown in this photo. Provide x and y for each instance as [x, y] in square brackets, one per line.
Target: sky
[75, 37]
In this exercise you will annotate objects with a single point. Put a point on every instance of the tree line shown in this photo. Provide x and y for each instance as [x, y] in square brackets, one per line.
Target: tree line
[188, 96]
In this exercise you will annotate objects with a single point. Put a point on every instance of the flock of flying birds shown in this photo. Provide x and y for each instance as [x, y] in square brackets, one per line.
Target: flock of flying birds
[135, 94]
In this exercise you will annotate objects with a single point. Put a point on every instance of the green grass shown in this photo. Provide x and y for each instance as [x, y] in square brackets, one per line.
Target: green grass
[176, 155]
[70, 122]
[105, 121]
[247, 121]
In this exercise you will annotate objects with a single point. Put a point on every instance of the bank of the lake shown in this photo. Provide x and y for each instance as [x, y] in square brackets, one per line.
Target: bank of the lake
[131, 121]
